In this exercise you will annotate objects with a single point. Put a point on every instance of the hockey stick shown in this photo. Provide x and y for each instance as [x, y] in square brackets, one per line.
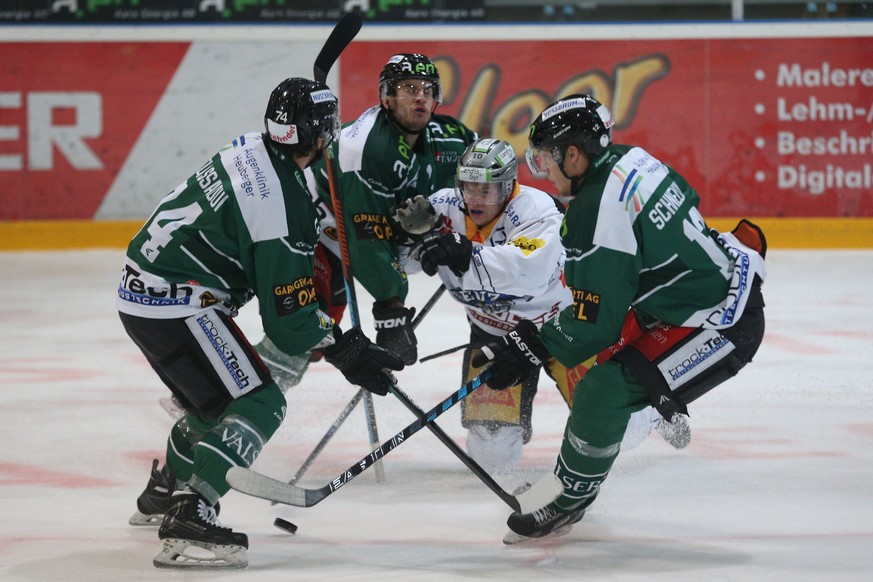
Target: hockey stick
[443, 353]
[352, 297]
[258, 485]
[428, 306]
[354, 401]
[477, 470]
[340, 37]
[327, 436]
[342, 34]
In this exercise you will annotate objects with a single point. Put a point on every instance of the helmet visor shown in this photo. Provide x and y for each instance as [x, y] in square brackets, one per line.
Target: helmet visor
[413, 88]
[328, 131]
[482, 193]
[539, 160]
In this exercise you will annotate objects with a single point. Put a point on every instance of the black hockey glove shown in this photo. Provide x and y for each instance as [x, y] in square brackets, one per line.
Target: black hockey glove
[394, 331]
[452, 250]
[362, 362]
[515, 356]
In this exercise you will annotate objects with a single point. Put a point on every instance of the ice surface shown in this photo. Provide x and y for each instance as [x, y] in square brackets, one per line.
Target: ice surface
[777, 483]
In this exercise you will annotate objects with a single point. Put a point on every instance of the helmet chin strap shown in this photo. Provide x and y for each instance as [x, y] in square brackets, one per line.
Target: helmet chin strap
[574, 181]
[285, 155]
[318, 155]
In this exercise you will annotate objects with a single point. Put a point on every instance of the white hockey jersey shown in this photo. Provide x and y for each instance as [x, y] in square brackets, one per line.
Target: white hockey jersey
[516, 271]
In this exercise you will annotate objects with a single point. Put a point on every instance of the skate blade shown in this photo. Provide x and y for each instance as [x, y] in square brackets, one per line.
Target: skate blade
[511, 538]
[139, 518]
[189, 555]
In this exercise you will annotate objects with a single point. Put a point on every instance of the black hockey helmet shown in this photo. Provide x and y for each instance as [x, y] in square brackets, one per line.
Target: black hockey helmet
[299, 113]
[580, 120]
[409, 66]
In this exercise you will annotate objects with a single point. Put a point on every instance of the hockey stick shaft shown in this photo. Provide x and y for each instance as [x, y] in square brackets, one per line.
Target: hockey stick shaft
[476, 469]
[258, 485]
[335, 194]
[327, 436]
[443, 353]
[340, 37]
[354, 401]
[428, 306]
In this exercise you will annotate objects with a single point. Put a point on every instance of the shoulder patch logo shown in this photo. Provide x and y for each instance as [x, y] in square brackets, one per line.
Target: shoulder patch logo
[528, 245]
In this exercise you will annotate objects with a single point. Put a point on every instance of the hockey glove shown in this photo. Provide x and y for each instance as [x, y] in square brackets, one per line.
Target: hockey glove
[362, 362]
[452, 250]
[515, 356]
[417, 216]
[394, 331]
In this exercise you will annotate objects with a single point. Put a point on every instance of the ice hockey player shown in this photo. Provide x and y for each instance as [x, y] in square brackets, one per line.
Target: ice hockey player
[634, 240]
[392, 152]
[496, 246]
[242, 226]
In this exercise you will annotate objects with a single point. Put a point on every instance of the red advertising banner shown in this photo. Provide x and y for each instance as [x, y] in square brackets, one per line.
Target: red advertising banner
[761, 127]
[69, 115]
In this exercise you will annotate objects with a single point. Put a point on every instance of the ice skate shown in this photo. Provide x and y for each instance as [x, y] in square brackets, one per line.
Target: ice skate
[546, 521]
[152, 502]
[677, 432]
[193, 537]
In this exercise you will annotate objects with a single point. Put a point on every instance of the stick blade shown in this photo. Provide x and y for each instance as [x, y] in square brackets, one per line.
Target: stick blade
[257, 485]
[340, 37]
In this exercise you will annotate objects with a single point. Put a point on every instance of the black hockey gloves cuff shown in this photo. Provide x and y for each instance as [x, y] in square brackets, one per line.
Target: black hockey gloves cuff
[362, 362]
[514, 356]
[451, 250]
[394, 331]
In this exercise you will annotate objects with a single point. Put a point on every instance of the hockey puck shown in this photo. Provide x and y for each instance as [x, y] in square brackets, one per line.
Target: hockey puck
[285, 525]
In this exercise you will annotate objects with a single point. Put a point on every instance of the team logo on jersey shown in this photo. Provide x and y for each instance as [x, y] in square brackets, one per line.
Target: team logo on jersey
[207, 299]
[372, 227]
[586, 305]
[331, 233]
[528, 245]
[291, 297]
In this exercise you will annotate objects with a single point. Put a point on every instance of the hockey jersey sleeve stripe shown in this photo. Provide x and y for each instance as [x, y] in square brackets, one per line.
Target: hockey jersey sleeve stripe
[218, 252]
[205, 268]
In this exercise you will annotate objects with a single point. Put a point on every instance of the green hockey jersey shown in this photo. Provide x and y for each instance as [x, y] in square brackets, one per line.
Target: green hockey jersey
[635, 239]
[242, 226]
[378, 171]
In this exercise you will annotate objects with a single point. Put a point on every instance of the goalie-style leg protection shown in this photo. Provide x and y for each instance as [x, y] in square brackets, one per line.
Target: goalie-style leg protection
[496, 448]
[498, 421]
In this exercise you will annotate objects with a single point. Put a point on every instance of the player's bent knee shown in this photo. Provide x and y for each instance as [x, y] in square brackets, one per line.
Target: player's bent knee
[265, 409]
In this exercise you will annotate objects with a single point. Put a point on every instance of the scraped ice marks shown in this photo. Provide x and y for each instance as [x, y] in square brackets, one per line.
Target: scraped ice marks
[42, 370]
[805, 346]
[754, 442]
[21, 474]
